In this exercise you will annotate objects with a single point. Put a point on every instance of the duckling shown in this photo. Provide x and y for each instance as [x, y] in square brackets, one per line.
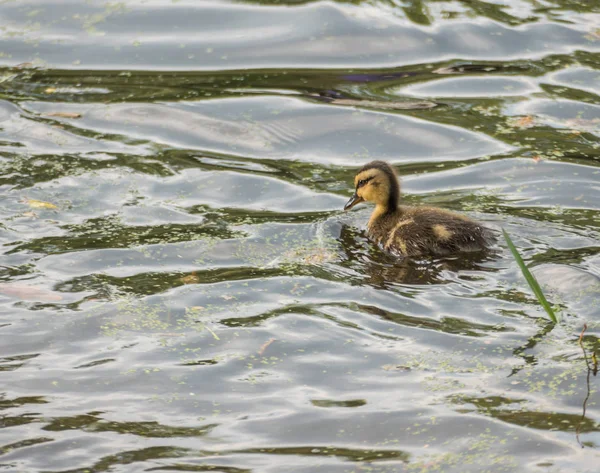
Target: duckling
[412, 231]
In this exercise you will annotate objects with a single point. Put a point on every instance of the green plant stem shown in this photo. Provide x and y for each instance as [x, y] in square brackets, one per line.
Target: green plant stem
[533, 284]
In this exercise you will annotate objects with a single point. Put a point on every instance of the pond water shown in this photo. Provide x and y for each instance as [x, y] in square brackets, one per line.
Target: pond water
[181, 290]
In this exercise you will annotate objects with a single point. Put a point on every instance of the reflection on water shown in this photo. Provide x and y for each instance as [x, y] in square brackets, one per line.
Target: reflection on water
[181, 291]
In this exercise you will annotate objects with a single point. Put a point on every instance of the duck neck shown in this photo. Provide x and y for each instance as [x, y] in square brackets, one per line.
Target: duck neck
[389, 205]
[379, 211]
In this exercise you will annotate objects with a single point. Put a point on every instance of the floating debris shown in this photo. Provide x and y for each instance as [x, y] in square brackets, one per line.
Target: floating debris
[29, 293]
[191, 278]
[523, 122]
[40, 204]
[396, 368]
[63, 114]
[400, 105]
[465, 68]
[265, 345]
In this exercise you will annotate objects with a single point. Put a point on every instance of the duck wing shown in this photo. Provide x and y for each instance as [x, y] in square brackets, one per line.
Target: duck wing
[429, 231]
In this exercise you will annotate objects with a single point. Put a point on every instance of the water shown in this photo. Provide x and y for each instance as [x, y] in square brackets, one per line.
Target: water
[182, 292]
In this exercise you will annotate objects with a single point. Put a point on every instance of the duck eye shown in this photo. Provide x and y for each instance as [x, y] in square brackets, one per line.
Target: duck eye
[362, 182]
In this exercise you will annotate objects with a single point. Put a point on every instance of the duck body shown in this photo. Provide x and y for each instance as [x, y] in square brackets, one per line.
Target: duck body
[418, 231]
[413, 231]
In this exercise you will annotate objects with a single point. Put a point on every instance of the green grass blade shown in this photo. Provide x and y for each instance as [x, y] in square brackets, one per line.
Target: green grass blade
[533, 284]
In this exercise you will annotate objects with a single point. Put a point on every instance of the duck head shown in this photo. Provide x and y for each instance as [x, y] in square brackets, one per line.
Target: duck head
[376, 182]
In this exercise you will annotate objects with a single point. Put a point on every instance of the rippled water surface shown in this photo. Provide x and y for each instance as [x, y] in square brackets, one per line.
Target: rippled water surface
[180, 290]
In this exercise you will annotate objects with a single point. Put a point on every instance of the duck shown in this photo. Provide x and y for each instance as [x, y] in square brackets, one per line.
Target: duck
[412, 231]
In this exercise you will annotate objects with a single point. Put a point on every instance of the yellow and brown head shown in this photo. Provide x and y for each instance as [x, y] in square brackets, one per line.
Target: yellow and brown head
[376, 182]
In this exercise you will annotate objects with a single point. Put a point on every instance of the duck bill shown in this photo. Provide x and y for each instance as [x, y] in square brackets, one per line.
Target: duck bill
[355, 199]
